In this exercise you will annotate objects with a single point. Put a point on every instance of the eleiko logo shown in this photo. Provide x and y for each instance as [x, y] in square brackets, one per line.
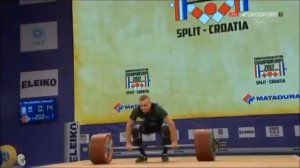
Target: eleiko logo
[39, 83]
[183, 7]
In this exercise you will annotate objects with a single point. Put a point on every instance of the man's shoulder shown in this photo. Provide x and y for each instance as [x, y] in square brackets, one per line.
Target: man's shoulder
[136, 109]
[135, 113]
[158, 107]
[154, 104]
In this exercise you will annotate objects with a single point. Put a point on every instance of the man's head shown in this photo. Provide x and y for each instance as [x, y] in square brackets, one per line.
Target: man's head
[145, 103]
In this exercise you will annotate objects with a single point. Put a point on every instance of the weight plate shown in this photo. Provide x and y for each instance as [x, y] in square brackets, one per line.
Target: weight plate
[100, 149]
[9, 155]
[204, 145]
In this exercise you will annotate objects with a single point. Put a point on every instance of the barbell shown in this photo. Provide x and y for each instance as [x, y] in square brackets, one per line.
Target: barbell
[101, 146]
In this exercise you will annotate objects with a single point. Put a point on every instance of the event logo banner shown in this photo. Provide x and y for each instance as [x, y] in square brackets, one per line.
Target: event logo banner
[209, 11]
[269, 70]
[38, 36]
[137, 81]
[39, 83]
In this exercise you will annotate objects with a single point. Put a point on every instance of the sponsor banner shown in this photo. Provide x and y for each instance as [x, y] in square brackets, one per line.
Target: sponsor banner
[191, 133]
[84, 138]
[178, 135]
[148, 137]
[274, 131]
[221, 133]
[38, 36]
[119, 107]
[246, 132]
[297, 130]
[85, 149]
[39, 83]
[249, 98]
[72, 142]
[26, 2]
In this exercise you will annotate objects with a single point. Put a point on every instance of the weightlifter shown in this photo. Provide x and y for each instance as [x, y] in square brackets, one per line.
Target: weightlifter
[154, 119]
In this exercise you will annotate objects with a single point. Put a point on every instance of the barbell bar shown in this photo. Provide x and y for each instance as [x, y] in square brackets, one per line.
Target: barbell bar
[218, 144]
[164, 146]
[101, 147]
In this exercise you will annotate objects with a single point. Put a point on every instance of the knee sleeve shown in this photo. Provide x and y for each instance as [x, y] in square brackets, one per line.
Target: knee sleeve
[137, 135]
[166, 134]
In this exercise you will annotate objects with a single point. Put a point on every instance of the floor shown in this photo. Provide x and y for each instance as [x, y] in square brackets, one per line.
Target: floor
[221, 161]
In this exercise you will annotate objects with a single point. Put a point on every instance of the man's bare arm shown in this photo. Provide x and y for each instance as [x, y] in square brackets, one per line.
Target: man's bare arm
[128, 129]
[172, 129]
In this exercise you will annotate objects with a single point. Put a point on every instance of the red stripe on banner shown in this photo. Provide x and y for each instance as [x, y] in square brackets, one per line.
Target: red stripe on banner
[197, 12]
[176, 3]
[237, 6]
[224, 8]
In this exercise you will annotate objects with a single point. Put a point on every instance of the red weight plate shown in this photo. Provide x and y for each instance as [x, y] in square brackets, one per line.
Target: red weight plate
[100, 149]
[204, 145]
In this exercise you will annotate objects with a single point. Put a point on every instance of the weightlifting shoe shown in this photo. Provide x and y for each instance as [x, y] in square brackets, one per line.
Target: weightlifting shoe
[141, 158]
[165, 157]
